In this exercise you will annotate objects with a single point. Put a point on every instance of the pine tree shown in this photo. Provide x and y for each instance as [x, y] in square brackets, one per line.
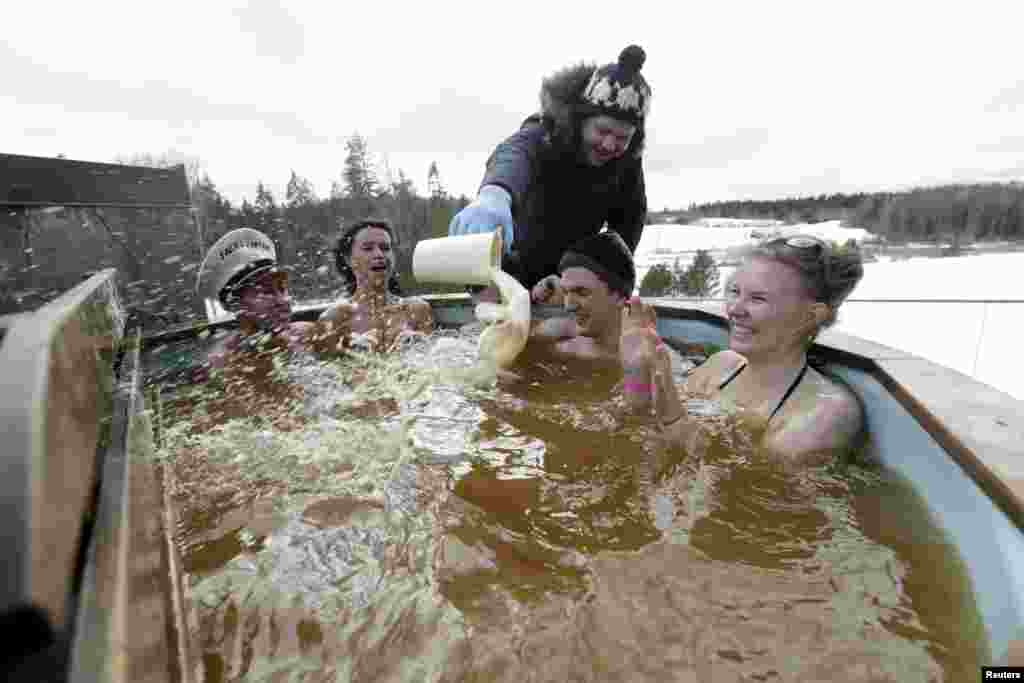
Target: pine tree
[702, 277]
[403, 209]
[299, 192]
[657, 281]
[678, 278]
[247, 211]
[959, 222]
[434, 185]
[361, 184]
[264, 203]
[300, 212]
[264, 209]
[212, 210]
[264, 217]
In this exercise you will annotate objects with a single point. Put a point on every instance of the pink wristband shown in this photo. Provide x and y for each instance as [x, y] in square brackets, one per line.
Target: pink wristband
[637, 387]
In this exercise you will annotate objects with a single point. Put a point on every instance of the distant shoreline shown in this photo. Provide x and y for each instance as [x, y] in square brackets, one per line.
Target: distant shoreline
[908, 249]
[913, 250]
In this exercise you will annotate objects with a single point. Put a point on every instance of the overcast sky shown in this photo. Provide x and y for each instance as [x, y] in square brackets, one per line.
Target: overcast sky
[752, 100]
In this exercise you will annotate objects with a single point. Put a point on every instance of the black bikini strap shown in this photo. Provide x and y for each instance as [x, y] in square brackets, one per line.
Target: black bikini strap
[792, 388]
[732, 376]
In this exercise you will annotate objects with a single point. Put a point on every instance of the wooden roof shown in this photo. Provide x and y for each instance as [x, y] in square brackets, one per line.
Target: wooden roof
[27, 181]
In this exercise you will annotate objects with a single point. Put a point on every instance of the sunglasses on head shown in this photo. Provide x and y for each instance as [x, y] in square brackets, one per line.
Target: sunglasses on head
[804, 242]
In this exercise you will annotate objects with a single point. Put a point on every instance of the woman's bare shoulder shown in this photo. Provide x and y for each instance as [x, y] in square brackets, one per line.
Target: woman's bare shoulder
[835, 394]
[826, 418]
[709, 373]
[725, 360]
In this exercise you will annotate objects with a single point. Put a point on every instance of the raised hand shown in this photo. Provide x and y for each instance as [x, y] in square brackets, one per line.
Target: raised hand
[548, 291]
[639, 355]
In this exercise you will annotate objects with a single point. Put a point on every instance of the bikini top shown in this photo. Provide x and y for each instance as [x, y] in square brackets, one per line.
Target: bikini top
[789, 391]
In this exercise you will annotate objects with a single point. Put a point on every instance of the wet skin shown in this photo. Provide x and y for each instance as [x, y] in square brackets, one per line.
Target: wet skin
[373, 316]
[604, 329]
[264, 308]
[243, 363]
[771, 318]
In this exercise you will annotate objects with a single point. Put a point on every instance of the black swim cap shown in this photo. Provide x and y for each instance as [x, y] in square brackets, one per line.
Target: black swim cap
[607, 256]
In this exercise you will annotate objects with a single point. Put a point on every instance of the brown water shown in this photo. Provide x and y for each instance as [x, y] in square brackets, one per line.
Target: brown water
[417, 524]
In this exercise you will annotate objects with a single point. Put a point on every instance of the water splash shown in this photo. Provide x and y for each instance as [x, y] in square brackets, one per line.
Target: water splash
[509, 323]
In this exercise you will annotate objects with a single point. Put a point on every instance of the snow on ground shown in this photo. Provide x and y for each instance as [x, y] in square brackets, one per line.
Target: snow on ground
[977, 339]
[664, 243]
[721, 233]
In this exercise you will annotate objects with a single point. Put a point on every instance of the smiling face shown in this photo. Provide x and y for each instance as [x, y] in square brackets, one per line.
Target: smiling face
[264, 301]
[605, 138]
[371, 259]
[596, 306]
[769, 310]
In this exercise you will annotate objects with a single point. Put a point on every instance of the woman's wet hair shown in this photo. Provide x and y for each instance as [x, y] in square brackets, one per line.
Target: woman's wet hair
[829, 272]
[343, 251]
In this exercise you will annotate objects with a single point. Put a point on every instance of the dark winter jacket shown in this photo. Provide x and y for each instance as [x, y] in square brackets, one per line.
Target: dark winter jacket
[557, 197]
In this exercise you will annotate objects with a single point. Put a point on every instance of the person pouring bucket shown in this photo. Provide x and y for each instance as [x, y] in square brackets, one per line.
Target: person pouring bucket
[569, 170]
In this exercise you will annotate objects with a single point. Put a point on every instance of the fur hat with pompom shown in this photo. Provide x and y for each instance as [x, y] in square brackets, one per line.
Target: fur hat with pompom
[618, 89]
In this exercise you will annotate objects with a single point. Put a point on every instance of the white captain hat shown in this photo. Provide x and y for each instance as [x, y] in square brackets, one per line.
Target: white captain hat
[233, 259]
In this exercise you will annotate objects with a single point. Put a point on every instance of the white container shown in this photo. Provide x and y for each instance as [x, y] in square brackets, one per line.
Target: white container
[459, 259]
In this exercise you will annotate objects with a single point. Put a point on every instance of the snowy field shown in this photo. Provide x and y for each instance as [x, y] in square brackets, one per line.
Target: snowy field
[722, 233]
[977, 339]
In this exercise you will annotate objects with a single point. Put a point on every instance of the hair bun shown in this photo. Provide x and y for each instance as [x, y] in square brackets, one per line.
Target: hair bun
[632, 59]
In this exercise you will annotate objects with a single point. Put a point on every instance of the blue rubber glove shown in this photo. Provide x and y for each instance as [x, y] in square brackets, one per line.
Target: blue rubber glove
[493, 207]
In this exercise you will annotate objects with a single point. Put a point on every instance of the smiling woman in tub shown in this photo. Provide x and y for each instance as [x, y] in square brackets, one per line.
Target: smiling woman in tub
[373, 310]
[783, 294]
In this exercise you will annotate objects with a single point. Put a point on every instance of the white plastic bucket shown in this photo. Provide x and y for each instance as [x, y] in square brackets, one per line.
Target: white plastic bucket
[459, 259]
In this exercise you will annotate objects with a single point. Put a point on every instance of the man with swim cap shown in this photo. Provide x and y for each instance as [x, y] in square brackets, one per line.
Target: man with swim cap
[596, 344]
[241, 273]
[595, 285]
[569, 170]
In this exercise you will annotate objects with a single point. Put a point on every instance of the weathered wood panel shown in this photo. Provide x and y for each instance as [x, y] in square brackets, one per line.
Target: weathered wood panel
[55, 397]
